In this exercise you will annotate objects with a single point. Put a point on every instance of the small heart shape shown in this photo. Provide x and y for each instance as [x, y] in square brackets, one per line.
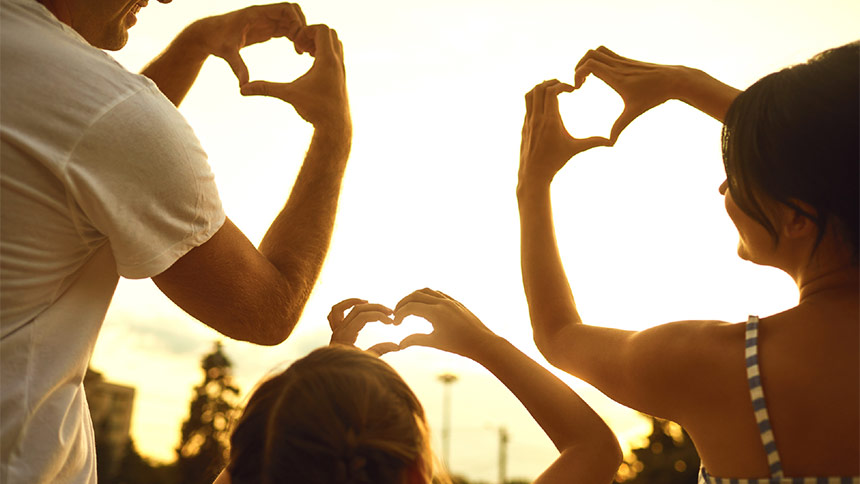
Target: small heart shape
[372, 333]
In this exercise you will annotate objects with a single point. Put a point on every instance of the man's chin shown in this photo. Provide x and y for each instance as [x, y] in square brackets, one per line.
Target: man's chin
[113, 42]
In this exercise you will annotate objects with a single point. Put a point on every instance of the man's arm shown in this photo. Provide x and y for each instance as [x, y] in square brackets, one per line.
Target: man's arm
[176, 68]
[258, 295]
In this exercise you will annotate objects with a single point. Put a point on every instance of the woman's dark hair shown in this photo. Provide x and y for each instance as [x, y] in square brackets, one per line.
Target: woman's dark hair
[337, 416]
[794, 135]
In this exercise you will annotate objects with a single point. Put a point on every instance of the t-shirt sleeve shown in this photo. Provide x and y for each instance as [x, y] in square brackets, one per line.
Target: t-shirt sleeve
[140, 177]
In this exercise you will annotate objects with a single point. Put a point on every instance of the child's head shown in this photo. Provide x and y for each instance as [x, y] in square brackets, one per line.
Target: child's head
[338, 415]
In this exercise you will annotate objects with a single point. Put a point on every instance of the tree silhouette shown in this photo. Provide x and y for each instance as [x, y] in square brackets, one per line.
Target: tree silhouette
[135, 469]
[668, 458]
[202, 452]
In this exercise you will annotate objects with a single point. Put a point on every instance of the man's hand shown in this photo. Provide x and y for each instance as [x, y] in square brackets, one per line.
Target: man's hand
[546, 145]
[319, 96]
[225, 35]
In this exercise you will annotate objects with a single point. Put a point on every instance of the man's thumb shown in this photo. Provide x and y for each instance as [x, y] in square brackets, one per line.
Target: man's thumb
[264, 88]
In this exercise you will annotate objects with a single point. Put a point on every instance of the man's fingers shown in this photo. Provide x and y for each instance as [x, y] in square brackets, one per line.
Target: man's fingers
[239, 68]
[280, 90]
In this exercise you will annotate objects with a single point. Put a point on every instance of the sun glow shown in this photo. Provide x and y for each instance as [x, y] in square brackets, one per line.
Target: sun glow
[436, 90]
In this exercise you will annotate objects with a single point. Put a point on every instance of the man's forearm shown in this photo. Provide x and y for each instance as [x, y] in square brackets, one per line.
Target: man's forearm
[176, 68]
[551, 304]
[298, 239]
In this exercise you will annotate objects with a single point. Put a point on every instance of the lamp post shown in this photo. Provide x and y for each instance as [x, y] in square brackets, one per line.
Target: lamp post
[447, 379]
[503, 455]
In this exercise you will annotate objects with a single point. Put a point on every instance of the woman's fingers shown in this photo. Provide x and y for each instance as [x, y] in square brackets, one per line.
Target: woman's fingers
[603, 71]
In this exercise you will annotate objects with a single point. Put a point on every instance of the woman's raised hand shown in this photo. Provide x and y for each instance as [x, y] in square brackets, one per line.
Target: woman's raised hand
[641, 85]
[546, 145]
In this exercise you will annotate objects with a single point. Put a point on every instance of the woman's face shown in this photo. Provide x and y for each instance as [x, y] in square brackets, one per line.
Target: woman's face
[755, 244]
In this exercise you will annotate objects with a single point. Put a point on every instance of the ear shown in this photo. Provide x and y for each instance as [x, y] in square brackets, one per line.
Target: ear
[796, 225]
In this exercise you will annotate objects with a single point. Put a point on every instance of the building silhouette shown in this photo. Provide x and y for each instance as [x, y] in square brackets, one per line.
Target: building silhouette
[111, 407]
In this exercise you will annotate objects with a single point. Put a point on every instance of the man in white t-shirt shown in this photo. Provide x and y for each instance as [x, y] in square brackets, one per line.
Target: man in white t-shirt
[101, 177]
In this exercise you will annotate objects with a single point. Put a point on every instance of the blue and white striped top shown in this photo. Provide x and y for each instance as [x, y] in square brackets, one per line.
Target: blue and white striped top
[767, 439]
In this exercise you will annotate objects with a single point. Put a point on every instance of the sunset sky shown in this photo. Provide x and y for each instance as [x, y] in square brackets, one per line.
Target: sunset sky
[436, 90]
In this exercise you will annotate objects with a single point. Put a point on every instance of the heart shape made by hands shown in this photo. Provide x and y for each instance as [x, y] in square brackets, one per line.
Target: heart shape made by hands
[590, 110]
[381, 338]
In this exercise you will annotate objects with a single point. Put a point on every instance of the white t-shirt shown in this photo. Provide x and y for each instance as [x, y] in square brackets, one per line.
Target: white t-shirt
[100, 177]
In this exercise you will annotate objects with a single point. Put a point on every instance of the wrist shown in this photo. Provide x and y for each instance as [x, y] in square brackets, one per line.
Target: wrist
[335, 135]
[194, 38]
[489, 349]
[687, 84]
[528, 188]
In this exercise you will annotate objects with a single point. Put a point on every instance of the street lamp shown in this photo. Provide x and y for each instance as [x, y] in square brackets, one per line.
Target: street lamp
[447, 379]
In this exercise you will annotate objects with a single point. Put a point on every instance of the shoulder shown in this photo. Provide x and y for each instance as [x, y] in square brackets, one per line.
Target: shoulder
[54, 84]
[45, 60]
[694, 363]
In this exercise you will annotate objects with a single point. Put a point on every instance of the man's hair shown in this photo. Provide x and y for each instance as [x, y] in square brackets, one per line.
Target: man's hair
[336, 416]
[793, 136]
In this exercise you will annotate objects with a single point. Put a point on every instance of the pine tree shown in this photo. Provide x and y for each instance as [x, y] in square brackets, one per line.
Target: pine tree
[202, 452]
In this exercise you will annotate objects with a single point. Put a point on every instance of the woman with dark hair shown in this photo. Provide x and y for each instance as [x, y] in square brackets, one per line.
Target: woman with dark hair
[343, 416]
[770, 400]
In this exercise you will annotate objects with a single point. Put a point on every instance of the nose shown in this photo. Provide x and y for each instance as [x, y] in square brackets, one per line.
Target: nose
[724, 186]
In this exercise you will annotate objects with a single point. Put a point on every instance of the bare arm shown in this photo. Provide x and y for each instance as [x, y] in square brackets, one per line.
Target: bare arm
[258, 295]
[177, 67]
[657, 371]
[589, 450]
[643, 85]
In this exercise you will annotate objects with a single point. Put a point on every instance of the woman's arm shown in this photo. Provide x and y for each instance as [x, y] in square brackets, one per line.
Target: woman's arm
[657, 371]
[643, 85]
[589, 450]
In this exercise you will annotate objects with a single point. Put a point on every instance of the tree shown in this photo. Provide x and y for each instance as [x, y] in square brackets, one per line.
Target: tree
[668, 458]
[135, 469]
[202, 451]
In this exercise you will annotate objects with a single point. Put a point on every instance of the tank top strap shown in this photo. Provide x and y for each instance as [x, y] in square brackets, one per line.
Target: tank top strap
[757, 396]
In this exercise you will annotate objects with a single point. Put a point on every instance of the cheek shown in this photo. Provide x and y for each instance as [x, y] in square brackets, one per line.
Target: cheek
[731, 209]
